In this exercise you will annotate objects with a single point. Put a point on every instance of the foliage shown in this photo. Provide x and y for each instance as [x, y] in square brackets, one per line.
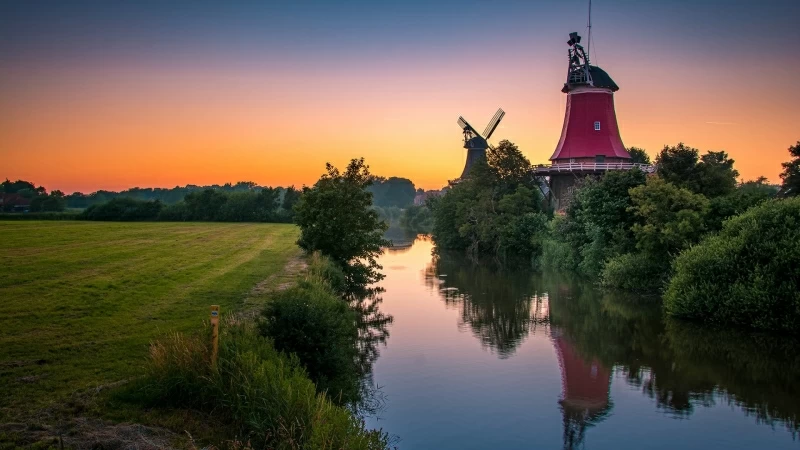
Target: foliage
[88, 297]
[791, 172]
[25, 194]
[417, 219]
[262, 394]
[63, 215]
[123, 209]
[167, 196]
[712, 174]
[745, 196]
[672, 218]
[634, 272]
[290, 198]
[597, 225]
[496, 211]
[53, 202]
[391, 215]
[312, 322]
[24, 188]
[639, 155]
[747, 275]
[392, 192]
[557, 253]
[336, 218]
[208, 205]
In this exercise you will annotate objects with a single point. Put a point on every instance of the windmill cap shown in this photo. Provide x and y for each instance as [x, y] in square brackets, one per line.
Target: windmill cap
[600, 78]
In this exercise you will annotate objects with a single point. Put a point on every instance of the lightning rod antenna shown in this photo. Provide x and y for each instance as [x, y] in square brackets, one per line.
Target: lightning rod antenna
[589, 43]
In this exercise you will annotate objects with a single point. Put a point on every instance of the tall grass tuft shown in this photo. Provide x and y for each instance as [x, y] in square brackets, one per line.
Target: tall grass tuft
[263, 395]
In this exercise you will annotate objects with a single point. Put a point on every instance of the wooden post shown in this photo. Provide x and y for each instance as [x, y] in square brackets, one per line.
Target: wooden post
[214, 333]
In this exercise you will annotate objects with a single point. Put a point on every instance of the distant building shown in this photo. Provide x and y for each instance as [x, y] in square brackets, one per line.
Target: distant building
[14, 203]
[422, 197]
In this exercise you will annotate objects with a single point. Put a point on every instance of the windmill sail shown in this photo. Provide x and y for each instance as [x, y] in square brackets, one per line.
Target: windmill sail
[466, 126]
[498, 116]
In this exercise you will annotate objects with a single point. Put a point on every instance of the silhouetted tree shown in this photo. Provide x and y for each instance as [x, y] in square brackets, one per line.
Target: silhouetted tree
[791, 172]
[336, 218]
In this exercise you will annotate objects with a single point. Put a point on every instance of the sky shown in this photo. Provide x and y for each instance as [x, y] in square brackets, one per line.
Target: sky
[111, 94]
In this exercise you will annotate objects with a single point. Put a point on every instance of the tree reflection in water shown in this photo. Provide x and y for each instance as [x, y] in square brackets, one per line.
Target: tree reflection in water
[500, 309]
[373, 331]
[682, 366]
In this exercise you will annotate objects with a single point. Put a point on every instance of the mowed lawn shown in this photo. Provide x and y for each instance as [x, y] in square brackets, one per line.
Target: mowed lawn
[80, 301]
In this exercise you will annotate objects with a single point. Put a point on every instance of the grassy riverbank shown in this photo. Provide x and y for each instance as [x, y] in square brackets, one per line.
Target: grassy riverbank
[82, 301]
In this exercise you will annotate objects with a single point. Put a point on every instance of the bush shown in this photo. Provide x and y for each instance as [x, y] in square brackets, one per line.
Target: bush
[41, 216]
[634, 272]
[177, 212]
[262, 394]
[747, 275]
[124, 209]
[317, 325]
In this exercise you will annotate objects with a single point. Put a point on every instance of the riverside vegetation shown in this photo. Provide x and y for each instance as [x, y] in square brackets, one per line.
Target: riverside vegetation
[297, 376]
[631, 231]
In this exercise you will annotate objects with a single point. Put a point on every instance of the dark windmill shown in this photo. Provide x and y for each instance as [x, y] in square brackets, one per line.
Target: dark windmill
[476, 143]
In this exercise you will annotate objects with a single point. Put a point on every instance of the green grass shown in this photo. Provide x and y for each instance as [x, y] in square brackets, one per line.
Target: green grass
[81, 301]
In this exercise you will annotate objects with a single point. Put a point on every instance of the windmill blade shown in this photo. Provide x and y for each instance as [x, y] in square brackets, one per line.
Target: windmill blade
[498, 116]
[466, 126]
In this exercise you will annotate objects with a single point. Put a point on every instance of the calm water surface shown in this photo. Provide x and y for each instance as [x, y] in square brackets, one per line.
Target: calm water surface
[479, 358]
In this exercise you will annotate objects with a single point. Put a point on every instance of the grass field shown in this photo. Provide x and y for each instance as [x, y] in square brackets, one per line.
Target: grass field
[81, 301]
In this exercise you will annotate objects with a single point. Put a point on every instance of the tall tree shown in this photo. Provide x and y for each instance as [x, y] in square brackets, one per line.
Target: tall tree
[712, 174]
[336, 218]
[791, 172]
[639, 155]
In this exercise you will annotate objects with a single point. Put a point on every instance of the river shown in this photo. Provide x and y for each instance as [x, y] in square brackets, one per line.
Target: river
[481, 358]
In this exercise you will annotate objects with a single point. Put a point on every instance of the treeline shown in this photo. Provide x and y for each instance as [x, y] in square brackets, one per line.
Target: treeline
[258, 205]
[164, 195]
[26, 195]
[651, 233]
[386, 192]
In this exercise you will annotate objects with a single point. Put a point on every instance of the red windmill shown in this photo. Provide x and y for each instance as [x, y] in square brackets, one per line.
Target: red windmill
[585, 390]
[590, 142]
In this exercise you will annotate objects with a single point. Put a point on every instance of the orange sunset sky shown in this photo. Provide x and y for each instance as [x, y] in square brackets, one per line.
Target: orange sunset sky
[104, 95]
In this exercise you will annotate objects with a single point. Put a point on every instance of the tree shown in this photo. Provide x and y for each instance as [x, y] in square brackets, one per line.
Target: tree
[392, 192]
[678, 165]
[336, 219]
[602, 222]
[290, 198]
[510, 167]
[791, 172]
[495, 211]
[744, 197]
[672, 218]
[716, 175]
[639, 155]
[712, 174]
[747, 275]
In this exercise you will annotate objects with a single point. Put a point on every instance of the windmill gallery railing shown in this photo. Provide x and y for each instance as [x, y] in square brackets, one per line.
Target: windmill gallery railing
[548, 169]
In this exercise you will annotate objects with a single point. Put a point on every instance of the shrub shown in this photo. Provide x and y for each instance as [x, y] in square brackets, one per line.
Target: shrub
[124, 209]
[311, 321]
[177, 212]
[66, 215]
[262, 394]
[748, 274]
[634, 272]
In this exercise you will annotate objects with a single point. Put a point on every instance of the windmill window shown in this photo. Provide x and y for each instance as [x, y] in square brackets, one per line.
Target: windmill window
[597, 126]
